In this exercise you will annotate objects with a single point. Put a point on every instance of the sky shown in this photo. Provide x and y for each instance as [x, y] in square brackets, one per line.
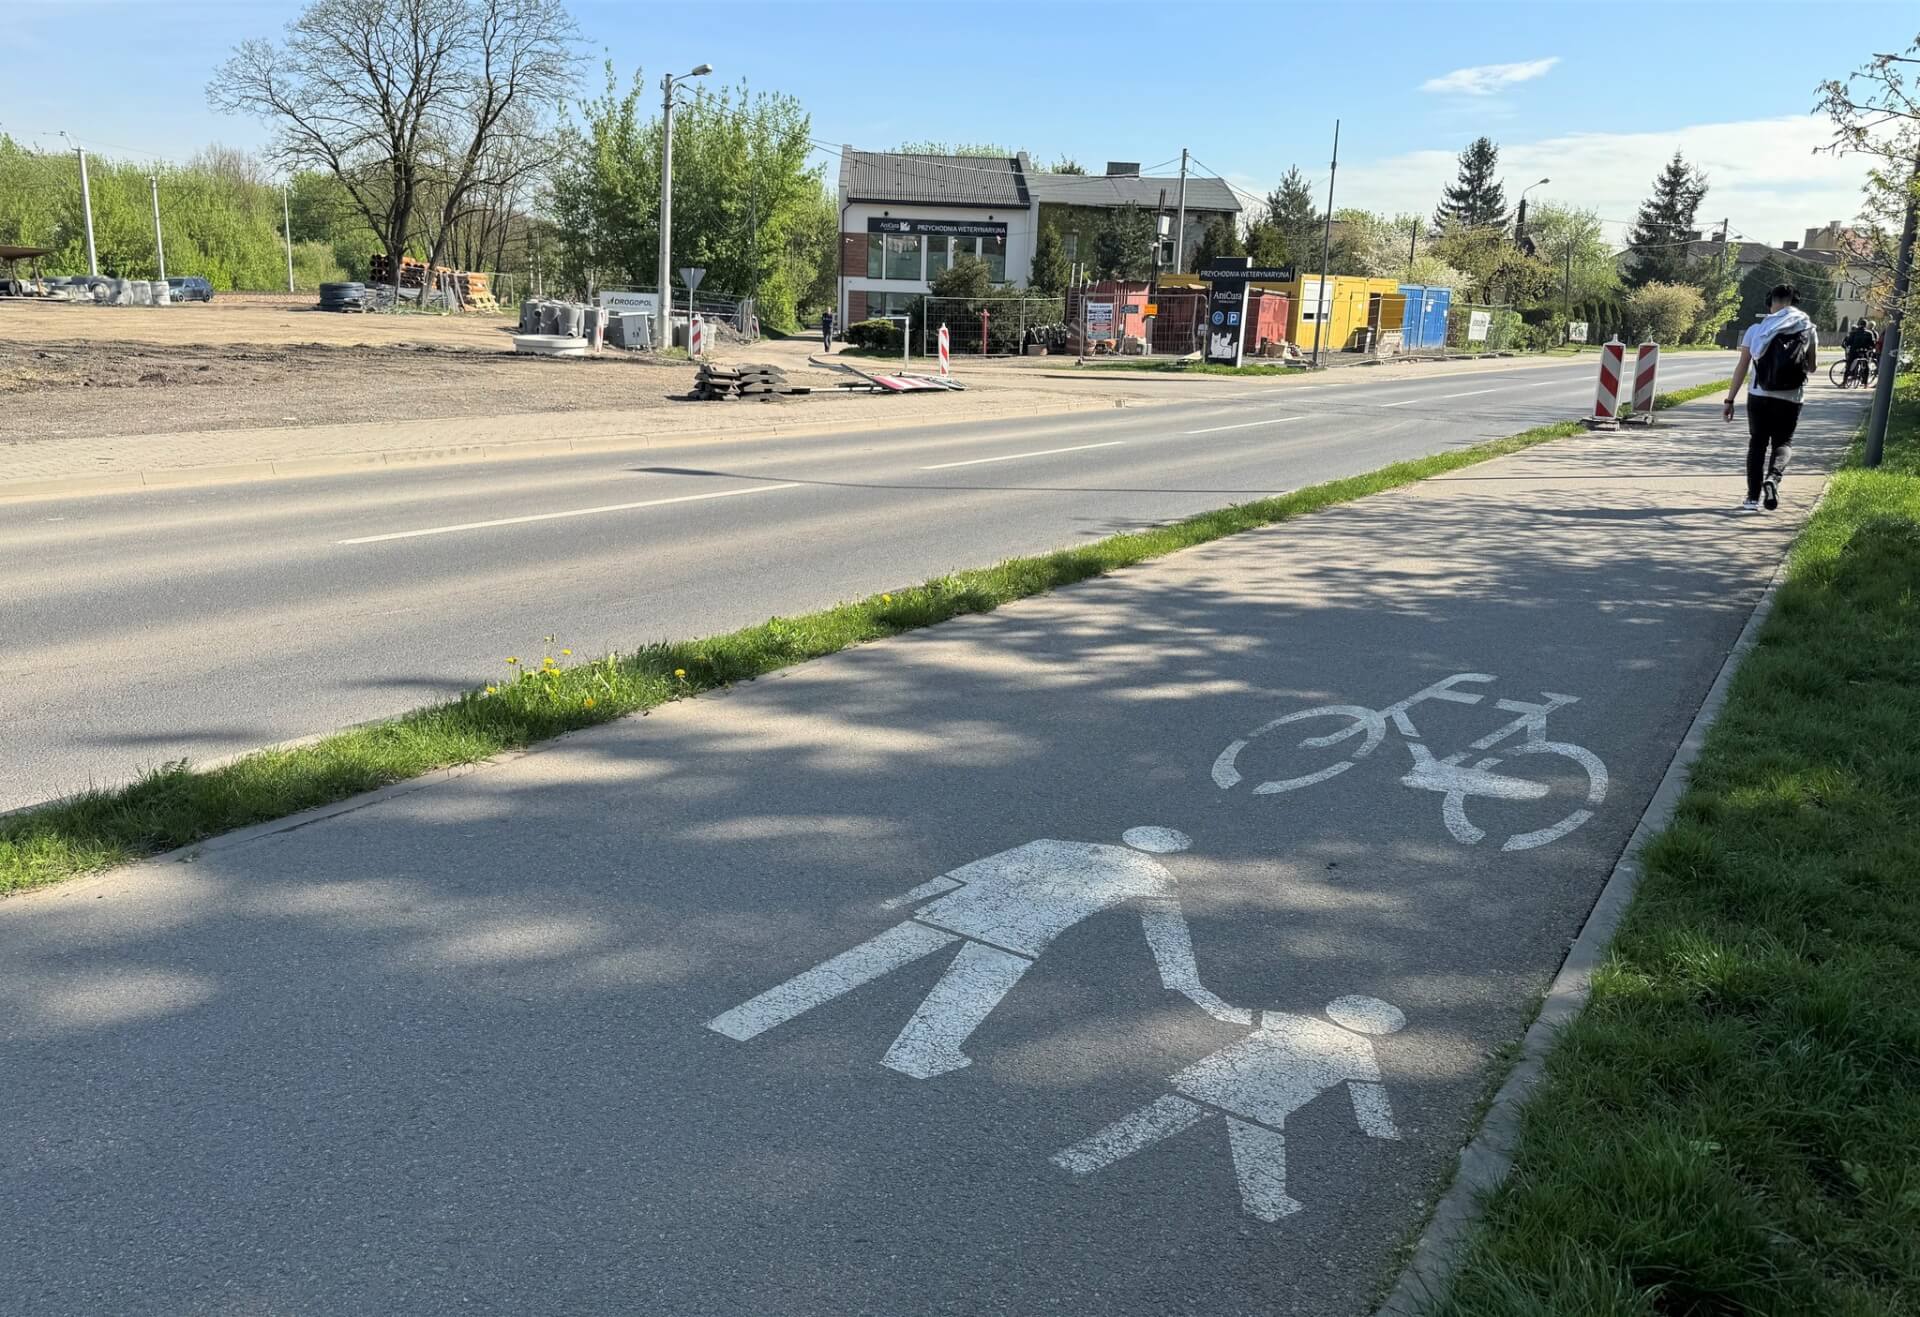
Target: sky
[1594, 98]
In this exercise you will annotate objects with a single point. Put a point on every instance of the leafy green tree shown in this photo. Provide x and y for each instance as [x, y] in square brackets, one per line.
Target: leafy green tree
[1066, 164]
[1476, 199]
[1718, 280]
[1494, 268]
[968, 277]
[746, 206]
[1051, 269]
[981, 149]
[1665, 225]
[1220, 238]
[1664, 312]
[1123, 244]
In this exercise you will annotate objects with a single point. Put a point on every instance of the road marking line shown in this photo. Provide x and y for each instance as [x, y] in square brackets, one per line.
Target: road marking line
[1247, 425]
[1014, 457]
[1470, 393]
[555, 516]
[1405, 402]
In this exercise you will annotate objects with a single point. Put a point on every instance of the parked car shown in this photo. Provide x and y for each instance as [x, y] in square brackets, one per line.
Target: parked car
[191, 288]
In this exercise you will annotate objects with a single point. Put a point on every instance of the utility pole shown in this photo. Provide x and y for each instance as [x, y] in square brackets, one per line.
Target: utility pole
[1326, 247]
[86, 205]
[286, 228]
[1566, 288]
[664, 338]
[1180, 226]
[1413, 238]
[159, 245]
[1890, 347]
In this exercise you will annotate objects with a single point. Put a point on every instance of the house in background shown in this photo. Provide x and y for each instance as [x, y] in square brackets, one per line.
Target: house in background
[1075, 205]
[905, 218]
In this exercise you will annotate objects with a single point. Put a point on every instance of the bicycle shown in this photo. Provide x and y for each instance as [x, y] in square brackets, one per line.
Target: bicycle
[1453, 778]
[1863, 369]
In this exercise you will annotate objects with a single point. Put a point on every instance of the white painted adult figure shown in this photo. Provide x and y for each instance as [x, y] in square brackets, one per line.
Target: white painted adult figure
[1004, 911]
[1255, 1084]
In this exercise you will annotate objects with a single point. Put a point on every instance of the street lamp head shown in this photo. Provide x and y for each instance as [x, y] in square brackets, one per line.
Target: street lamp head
[701, 70]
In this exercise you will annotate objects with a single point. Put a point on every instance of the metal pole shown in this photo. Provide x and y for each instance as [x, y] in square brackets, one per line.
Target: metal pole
[159, 244]
[86, 204]
[664, 337]
[1413, 238]
[286, 220]
[1566, 289]
[1326, 246]
[1890, 347]
[1180, 226]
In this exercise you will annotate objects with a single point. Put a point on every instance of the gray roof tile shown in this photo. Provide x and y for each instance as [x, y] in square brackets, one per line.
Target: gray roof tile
[935, 179]
[1211, 194]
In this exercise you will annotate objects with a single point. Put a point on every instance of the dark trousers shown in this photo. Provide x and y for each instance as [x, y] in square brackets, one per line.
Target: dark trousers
[1770, 426]
[826, 335]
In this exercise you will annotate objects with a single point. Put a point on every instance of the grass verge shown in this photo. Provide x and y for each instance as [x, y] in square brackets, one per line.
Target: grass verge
[177, 805]
[1731, 1125]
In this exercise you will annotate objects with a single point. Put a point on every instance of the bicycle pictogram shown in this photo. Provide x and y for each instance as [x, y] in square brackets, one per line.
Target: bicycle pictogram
[1453, 778]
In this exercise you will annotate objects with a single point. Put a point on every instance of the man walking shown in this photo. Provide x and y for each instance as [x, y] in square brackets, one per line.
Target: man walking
[826, 331]
[1780, 351]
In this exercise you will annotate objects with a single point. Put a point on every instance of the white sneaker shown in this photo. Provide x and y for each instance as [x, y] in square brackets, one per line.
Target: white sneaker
[1750, 505]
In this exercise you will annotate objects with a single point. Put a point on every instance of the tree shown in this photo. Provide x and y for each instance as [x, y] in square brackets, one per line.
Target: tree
[1220, 238]
[404, 101]
[967, 278]
[985, 150]
[1050, 266]
[1718, 279]
[1294, 223]
[1573, 246]
[1123, 244]
[1876, 113]
[1066, 164]
[1476, 200]
[1664, 312]
[1665, 225]
[746, 206]
[1493, 267]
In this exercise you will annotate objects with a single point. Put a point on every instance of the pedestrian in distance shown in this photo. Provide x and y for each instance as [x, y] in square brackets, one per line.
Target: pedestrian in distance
[826, 331]
[1780, 352]
[1861, 343]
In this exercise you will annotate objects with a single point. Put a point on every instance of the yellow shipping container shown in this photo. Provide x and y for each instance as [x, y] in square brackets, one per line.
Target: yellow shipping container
[1353, 303]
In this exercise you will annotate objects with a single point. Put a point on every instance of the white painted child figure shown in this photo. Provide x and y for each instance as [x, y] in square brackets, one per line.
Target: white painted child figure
[1004, 911]
[1255, 1084]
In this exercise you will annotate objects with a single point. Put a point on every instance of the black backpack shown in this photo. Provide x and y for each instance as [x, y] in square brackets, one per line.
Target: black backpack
[1782, 368]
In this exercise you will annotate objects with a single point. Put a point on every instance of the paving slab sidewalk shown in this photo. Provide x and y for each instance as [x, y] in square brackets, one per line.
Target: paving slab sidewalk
[1102, 1026]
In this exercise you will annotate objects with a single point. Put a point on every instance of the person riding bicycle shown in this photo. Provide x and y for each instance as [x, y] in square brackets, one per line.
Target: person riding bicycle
[1860, 343]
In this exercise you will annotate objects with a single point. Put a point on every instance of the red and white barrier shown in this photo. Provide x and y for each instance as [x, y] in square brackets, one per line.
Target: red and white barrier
[1606, 394]
[946, 368]
[696, 337]
[1646, 374]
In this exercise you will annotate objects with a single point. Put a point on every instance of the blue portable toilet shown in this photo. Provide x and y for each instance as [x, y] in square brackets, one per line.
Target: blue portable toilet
[1425, 326]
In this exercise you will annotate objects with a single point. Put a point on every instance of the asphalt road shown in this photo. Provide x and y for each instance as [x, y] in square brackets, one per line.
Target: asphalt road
[200, 622]
[549, 1037]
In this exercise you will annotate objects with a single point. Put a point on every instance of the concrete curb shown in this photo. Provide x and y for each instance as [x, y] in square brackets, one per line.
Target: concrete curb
[1488, 1156]
[127, 482]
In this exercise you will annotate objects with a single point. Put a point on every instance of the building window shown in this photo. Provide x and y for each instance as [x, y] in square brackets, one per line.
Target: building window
[1070, 244]
[994, 252]
[937, 257]
[876, 256]
[903, 256]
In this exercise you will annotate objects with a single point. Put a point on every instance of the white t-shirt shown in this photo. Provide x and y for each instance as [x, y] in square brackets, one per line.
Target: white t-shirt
[1755, 340]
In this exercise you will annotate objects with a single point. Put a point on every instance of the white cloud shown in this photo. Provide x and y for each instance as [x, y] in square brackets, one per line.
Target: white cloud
[1762, 174]
[1486, 79]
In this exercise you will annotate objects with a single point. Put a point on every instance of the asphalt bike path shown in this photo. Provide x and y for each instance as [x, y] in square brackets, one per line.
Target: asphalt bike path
[311, 604]
[1137, 949]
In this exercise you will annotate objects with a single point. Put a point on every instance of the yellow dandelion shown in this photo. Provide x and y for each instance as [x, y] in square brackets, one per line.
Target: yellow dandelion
[513, 660]
[886, 598]
[589, 701]
[567, 653]
[490, 690]
[679, 672]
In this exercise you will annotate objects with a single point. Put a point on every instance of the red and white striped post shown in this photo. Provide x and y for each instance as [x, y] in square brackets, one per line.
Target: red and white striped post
[696, 337]
[1606, 394]
[946, 368]
[1646, 374]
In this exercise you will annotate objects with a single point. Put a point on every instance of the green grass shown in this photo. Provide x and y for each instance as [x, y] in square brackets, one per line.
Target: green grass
[1733, 1124]
[1194, 367]
[533, 701]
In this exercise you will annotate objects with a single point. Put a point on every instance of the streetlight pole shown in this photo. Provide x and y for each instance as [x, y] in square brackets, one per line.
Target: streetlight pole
[286, 231]
[86, 204]
[1520, 220]
[664, 337]
[1321, 300]
[159, 244]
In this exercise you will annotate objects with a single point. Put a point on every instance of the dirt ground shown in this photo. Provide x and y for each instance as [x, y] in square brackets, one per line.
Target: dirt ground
[89, 371]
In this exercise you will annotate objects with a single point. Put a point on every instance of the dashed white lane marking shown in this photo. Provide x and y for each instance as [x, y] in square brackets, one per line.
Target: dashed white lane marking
[1246, 425]
[1014, 457]
[555, 516]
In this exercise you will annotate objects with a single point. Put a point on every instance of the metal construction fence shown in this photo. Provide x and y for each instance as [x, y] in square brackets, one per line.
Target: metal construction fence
[989, 326]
